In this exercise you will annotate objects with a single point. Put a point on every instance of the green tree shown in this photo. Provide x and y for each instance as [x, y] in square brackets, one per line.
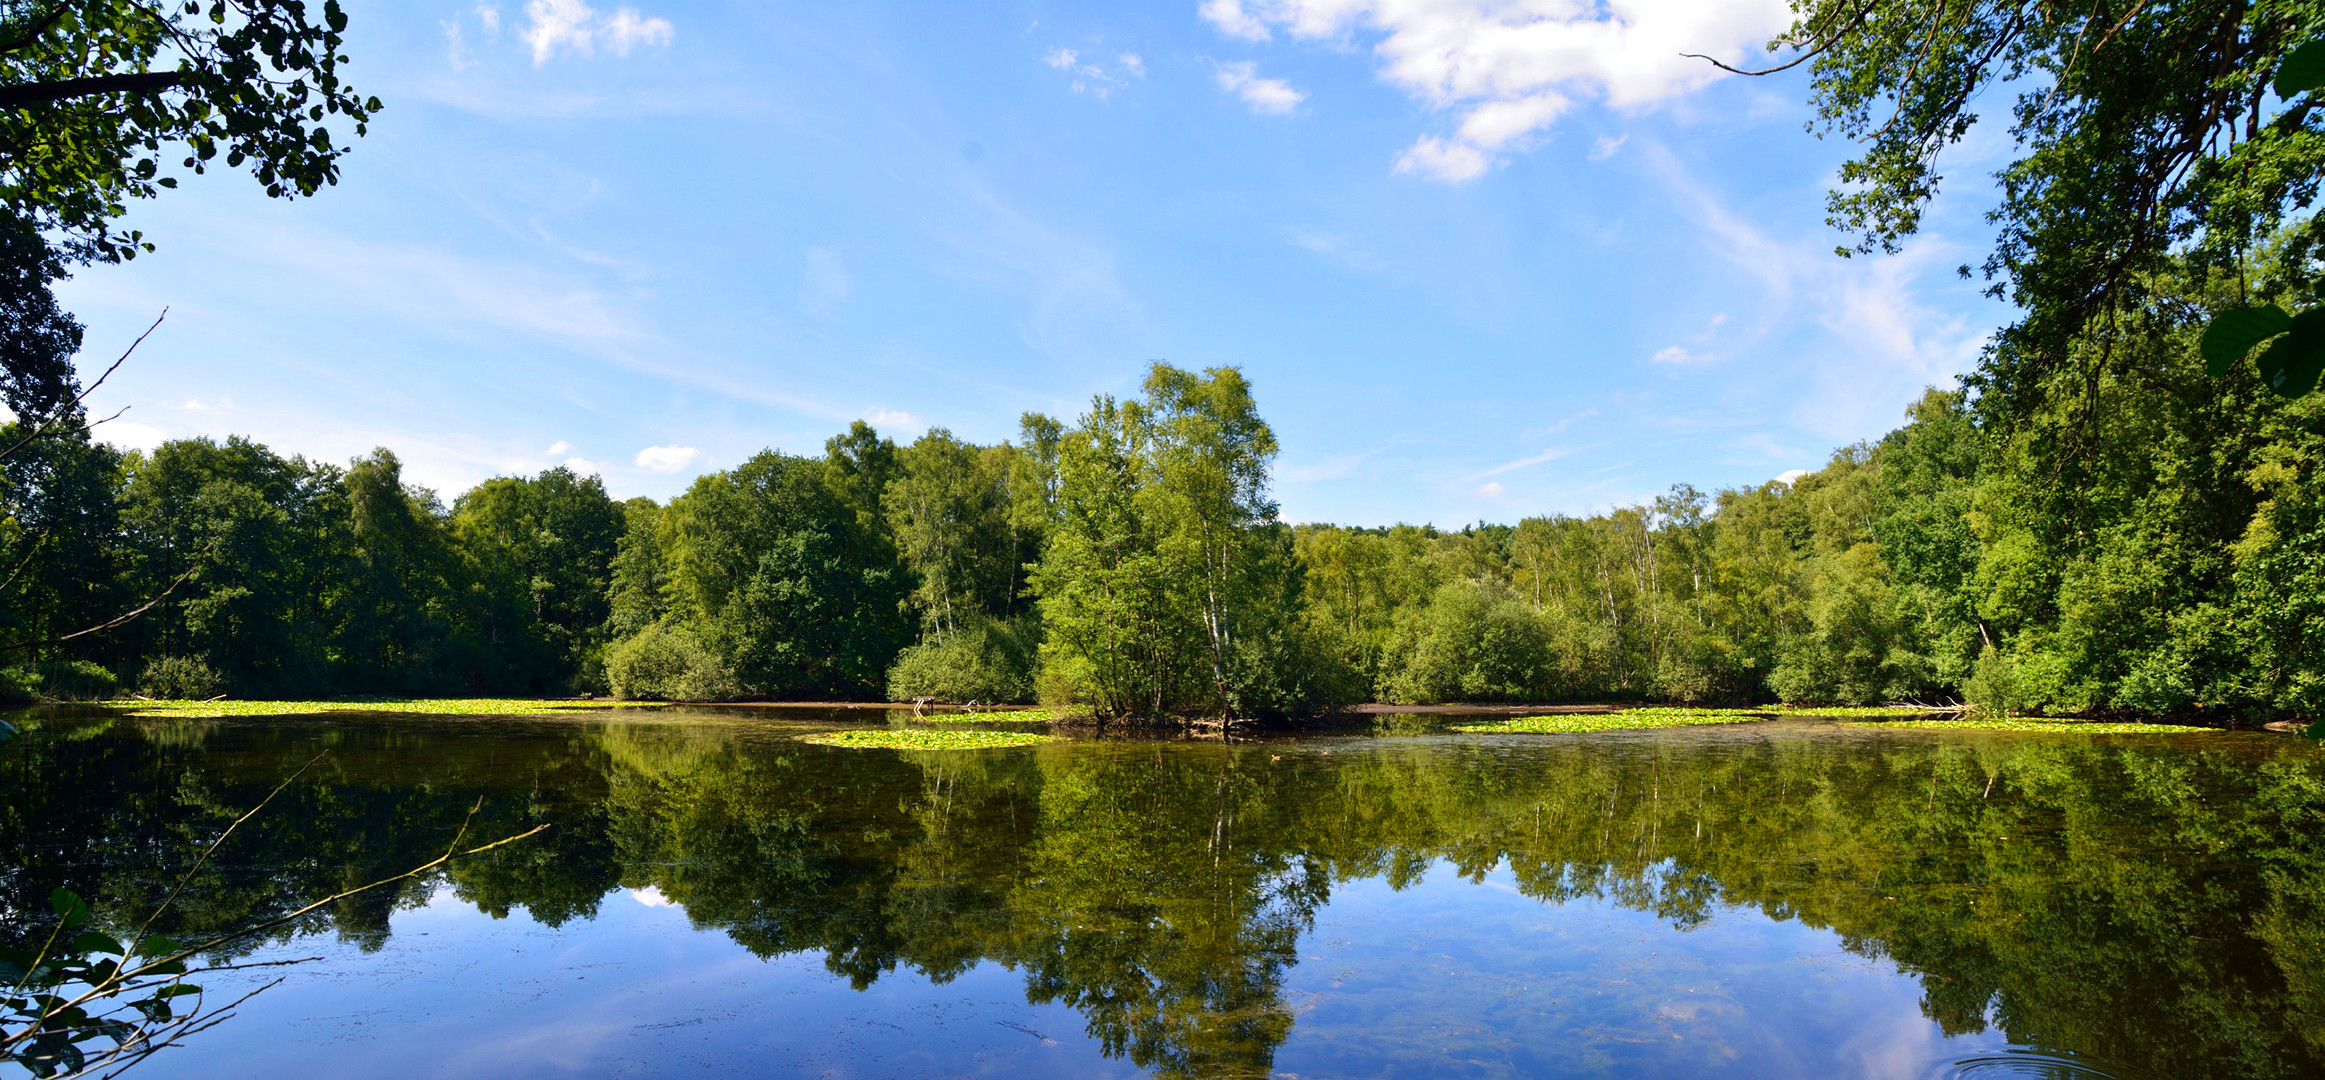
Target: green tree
[540, 554]
[96, 95]
[786, 579]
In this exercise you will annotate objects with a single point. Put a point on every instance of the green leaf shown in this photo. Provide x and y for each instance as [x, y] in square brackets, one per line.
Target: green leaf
[2290, 364]
[63, 901]
[2234, 332]
[2303, 70]
[96, 942]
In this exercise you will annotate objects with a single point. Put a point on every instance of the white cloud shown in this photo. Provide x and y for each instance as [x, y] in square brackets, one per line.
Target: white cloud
[1677, 355]
[1552, 454]
[1094, 78]
[456, 50]
[1274, 97]
[1510, 66]
[626, 31]
[1343, 248]
[1789, 475]
[1491, 491]
[583, 466]
[490, 16]
[651, 896]
[1449, 161]
[559, 447]
[1231, 19]
[891, 418]
[574, 26]
[1606, 146]
[130, 435]
[666, 459]
[824, 283]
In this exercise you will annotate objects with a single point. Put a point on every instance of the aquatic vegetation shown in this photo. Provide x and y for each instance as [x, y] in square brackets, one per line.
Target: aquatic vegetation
[204, 710]
[1001, 716]
[1590, 723]
[2034, 723]
[925, 739]
[1853, 710]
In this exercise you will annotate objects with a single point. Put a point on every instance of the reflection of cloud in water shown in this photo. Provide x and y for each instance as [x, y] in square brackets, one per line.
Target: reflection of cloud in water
[651, 896]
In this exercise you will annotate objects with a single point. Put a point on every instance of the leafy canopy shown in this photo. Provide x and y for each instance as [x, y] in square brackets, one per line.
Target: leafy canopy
[96, 94]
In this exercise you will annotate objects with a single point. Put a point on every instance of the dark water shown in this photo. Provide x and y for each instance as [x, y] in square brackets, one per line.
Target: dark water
[715, 898]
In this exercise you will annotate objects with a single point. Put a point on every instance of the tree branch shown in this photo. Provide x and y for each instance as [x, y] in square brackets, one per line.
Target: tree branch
[49, 93]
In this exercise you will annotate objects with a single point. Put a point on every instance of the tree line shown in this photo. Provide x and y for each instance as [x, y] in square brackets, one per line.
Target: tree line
[1132, 563]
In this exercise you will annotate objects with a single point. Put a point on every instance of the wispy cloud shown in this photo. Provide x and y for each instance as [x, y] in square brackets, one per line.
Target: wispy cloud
[1272, 97]
[572, 26]
[1552, 454]
[824, 283]
[1091, 77]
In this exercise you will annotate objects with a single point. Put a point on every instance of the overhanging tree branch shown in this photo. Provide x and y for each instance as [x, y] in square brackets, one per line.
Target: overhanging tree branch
[24, 95]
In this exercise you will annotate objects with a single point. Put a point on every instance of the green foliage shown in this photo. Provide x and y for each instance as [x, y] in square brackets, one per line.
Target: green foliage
[65, 680]
[985, 660]
[793, 588]
[668, 663]
[178, 677]
[1167, 576]
[1471, 642]
[2143, 135]
[539, 554]
[100, 93]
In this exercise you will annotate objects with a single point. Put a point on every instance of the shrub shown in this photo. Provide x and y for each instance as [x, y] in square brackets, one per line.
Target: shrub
[668, 663]
[984, 660]
[1993, 686]
[1474, 642]
[179, 678]
[78, 680]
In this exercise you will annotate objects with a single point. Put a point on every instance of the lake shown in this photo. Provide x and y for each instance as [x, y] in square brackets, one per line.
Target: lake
[1790, 898]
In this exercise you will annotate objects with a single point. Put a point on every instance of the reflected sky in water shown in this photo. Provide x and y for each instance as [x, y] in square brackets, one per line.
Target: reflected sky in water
[1776, 900]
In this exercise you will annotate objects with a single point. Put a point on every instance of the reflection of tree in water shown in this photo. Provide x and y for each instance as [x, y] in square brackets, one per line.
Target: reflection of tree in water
[2154, 903]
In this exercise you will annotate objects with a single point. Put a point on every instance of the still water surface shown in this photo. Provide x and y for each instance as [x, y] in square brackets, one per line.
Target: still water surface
[1786, 899]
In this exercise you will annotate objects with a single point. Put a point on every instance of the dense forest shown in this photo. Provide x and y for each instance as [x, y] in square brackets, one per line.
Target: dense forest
[2169, 560]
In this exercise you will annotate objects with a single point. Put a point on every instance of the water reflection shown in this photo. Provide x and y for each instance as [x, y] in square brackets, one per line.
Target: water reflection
[2143, 902]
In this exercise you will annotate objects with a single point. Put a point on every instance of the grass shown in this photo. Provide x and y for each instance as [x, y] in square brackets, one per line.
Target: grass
[924, 739]
[1589, 723]
[2034, 723]
[203, 710]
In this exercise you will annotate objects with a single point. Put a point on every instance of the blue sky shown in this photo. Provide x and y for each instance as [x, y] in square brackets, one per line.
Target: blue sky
[1480, 259]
